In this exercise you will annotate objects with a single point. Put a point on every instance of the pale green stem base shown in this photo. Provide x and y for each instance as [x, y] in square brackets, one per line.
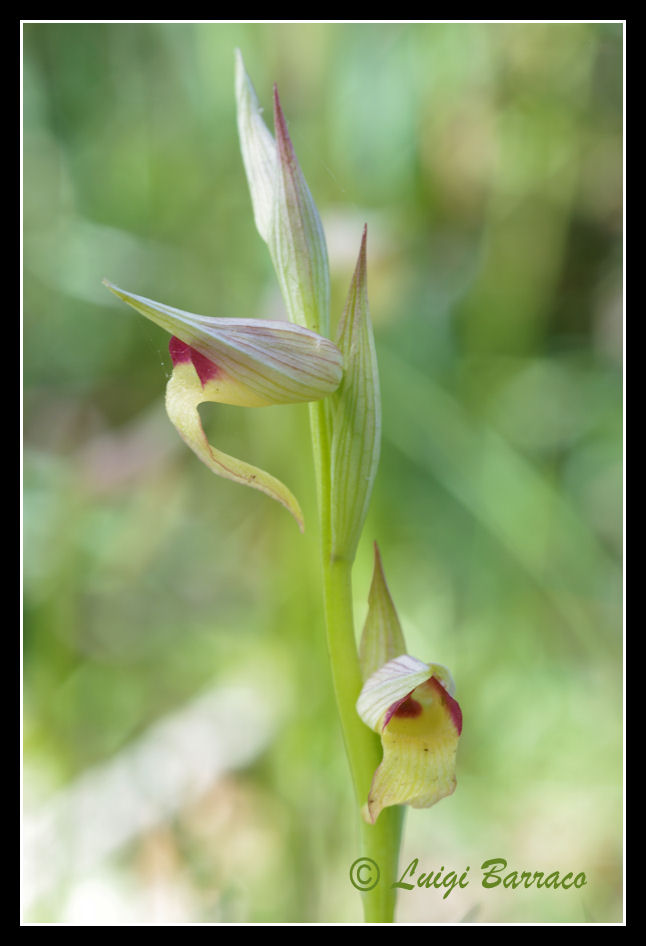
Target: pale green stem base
[380, 841]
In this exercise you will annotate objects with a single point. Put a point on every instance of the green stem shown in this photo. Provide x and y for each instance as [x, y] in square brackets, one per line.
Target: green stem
[379, 842]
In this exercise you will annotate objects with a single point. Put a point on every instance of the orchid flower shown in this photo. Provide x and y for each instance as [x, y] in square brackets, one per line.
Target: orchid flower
[411, 705]
[247, 362]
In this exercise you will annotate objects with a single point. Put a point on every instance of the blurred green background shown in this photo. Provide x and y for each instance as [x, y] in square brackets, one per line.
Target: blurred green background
[182, 756]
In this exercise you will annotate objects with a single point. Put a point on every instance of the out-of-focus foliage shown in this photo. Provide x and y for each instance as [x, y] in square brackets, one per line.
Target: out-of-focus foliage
[183, 760]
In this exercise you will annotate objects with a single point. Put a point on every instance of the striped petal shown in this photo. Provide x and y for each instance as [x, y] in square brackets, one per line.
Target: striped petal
[259, 362]
[392, 683]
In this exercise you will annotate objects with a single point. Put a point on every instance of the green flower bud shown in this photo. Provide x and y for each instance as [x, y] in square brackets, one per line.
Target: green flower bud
[284, 210]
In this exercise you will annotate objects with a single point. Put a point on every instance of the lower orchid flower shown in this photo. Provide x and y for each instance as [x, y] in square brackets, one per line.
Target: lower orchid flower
[246, 362]
[411, 705]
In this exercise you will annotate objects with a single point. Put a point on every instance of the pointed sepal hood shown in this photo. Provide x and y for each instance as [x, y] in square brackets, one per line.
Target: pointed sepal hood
[259, 362]
[382, 638]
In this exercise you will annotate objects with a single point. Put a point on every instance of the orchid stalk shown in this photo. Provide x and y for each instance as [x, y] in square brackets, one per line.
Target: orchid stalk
[345, 427]
[399, 718]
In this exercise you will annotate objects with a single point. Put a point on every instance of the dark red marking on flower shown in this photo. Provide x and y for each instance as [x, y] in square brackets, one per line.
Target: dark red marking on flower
[452, 705]
[409, 708]
[393, 710]
[180, 353]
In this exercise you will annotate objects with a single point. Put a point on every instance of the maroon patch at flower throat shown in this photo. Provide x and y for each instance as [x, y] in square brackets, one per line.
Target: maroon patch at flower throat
[180, 352]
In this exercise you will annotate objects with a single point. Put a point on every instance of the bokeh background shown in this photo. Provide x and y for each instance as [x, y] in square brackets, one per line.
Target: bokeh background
[182, 756]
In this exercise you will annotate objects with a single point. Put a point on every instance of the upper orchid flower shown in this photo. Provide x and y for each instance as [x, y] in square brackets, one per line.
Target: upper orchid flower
[247, 362]
[412, 707]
